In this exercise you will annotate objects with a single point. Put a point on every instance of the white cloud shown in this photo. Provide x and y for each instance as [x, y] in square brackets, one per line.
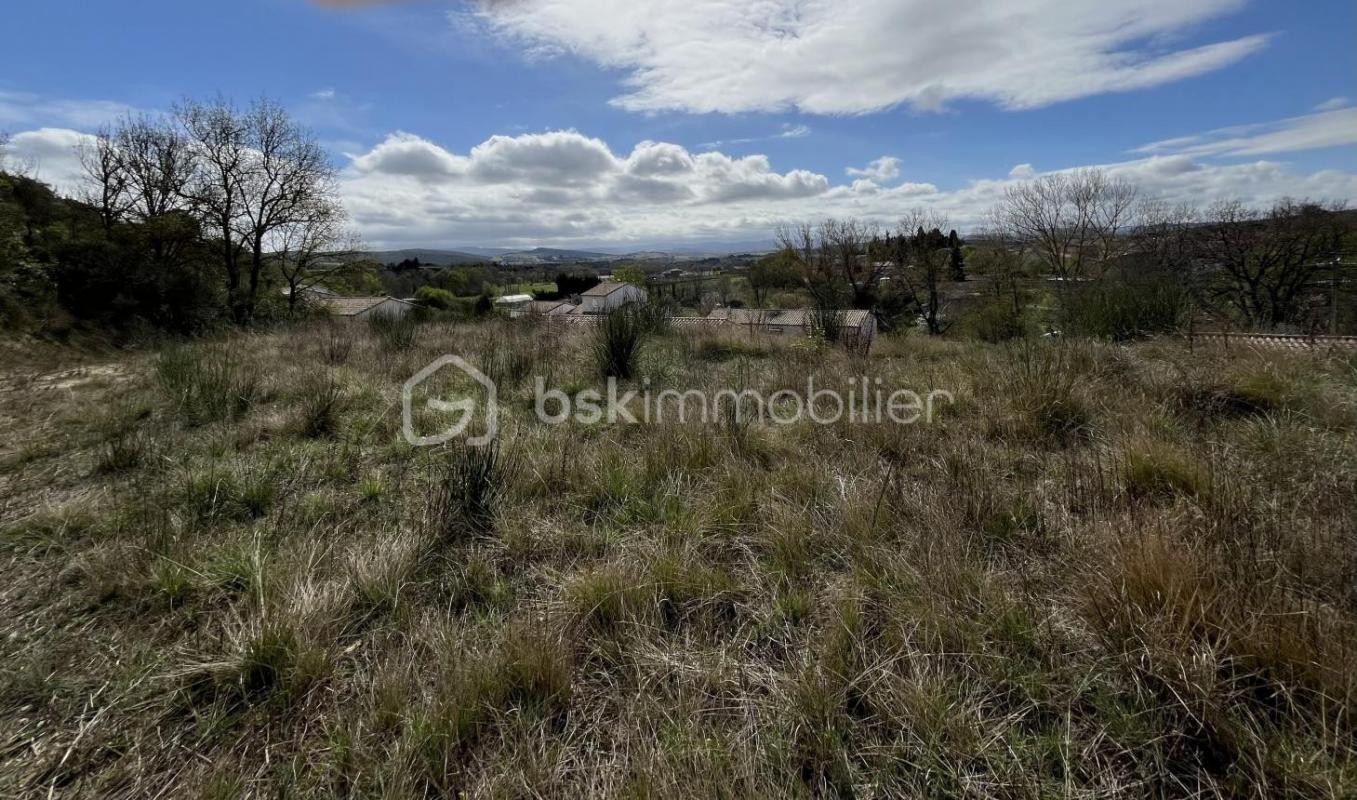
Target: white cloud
[886, 168]
[1333, 128]
[789, 131]
[1333, 104]
[662, 192]
[24, 109]
[565, 188]
[51, 156]
[856, 56]
[406, 154]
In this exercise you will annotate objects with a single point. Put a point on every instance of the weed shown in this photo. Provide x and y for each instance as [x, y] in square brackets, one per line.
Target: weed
[322, 403]
[617, 342]
[394, 332]
[467, 491]
[207, 383]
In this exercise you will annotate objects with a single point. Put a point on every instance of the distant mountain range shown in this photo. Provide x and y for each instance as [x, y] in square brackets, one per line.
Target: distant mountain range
[551, 255]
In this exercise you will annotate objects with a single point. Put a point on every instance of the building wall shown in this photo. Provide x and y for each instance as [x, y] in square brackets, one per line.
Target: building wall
[621, 297]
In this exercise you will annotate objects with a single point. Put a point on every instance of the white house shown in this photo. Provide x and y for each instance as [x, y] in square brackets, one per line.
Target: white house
[607, 296]
[366, 307]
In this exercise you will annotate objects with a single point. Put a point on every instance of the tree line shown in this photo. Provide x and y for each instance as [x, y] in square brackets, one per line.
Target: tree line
[1114, 262]
[183, 220]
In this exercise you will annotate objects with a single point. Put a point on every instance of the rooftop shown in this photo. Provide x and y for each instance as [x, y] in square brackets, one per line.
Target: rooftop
[605, 289]
[353, 306]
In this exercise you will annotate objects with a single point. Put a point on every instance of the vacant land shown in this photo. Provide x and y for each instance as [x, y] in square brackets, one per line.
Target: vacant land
[1106, 570]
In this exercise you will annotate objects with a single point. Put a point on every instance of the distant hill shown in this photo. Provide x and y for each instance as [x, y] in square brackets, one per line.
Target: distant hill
[539, 256]
[434, 258]
[551, 255]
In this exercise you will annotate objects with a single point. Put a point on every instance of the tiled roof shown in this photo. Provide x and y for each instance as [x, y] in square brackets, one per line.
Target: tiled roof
[760, 316]
[605, 289]
[795, 317]
[353, 306]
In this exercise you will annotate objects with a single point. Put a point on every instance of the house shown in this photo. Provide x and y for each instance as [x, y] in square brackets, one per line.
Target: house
[366, 307]
[778, 322]
[856, 324]
[606, 297]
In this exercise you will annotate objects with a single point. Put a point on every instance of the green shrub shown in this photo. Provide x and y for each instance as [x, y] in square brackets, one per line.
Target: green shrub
[995, 321]
[1122, 310]
[217, 494]
[435, 298]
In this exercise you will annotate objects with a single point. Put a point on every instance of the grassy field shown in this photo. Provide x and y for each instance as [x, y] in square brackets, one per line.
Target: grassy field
[1104, 571]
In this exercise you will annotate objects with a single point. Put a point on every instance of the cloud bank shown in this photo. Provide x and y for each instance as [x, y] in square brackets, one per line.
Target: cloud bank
[566, 188]
[858, 56]
[569, 189]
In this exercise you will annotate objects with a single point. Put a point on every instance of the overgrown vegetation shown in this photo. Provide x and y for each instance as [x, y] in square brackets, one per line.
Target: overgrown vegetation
[1106, 570]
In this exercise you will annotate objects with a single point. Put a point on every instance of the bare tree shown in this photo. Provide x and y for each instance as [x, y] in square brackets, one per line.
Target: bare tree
[1071, 220]
[258, 172]
[158, 163]
[4, 149]
[106, 175]
[848, 243]
[217, 191]
[836, 260]
[1259, 264]
[1003, 265]
[802, 241]
[287, 175]
[1163, 234]
[919, 247]
[311, 249]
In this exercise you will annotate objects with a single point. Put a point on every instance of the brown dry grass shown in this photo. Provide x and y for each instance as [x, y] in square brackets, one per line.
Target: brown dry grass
[1106, 571]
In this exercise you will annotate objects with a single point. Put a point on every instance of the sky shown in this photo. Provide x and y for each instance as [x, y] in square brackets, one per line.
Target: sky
[639, 124]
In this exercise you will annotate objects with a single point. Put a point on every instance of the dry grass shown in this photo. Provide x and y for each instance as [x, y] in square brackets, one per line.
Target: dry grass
[1105, 571]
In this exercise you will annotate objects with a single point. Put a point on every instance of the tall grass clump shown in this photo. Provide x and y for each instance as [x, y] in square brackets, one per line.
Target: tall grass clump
[655, 315]
[467, 491]
[322, 402]
[826, 323]
[1041, 386]
[393, 331]
[617, 343]
[207, 384]
[337, 345]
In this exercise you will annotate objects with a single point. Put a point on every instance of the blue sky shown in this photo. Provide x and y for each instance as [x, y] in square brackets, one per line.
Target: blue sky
[401, 92]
